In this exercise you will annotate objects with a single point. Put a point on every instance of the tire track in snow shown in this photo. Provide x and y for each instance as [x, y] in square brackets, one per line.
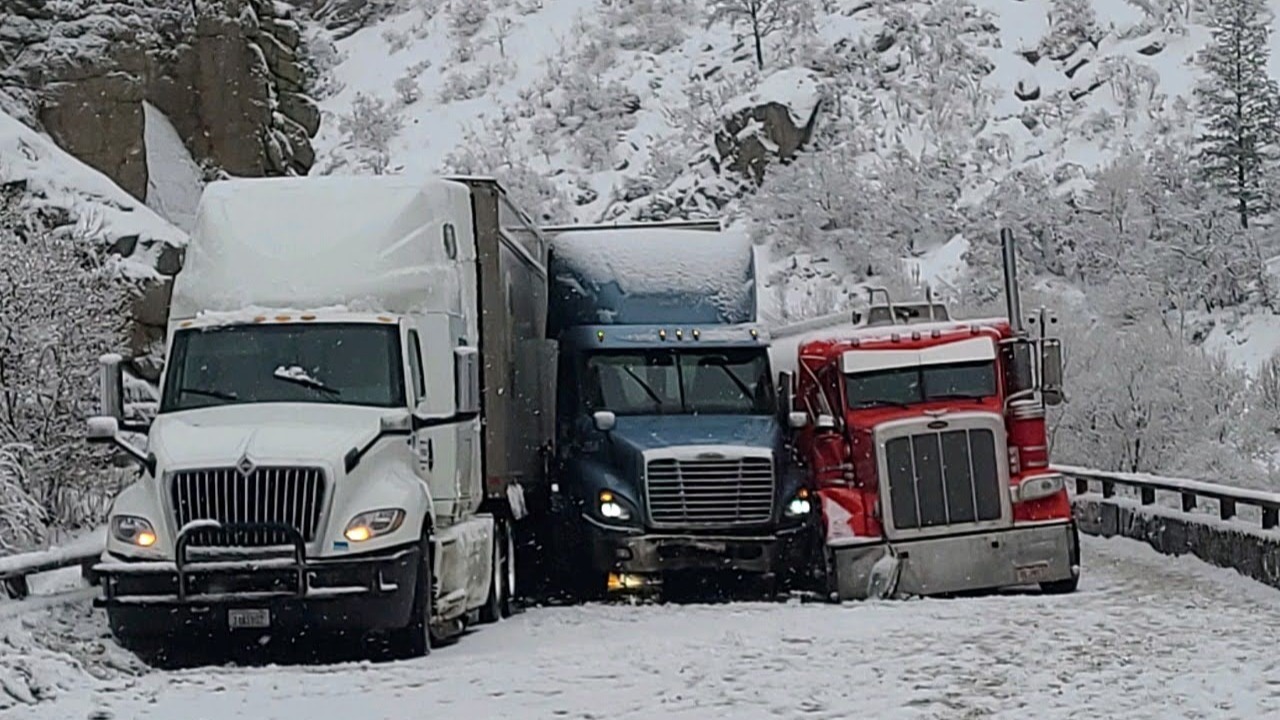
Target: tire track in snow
[1146, 637]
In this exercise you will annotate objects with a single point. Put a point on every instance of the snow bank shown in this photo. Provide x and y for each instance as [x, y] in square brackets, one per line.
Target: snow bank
[371, 243]
[103, 211]
[623, 272]
[1248, 344]
[173, 177]
[796, 89]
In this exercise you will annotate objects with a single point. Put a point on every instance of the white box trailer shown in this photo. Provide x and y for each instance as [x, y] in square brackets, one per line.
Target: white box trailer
[356, 406]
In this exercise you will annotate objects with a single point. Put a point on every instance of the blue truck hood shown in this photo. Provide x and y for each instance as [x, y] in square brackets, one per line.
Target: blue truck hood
[649, 432]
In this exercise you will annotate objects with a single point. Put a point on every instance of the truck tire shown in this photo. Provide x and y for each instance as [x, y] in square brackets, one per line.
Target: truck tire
[1060, 587]
[414, 640]
[498, 605]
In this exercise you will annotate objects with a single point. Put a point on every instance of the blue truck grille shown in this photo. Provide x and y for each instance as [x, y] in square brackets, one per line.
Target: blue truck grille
[289, 496]
[710, 493]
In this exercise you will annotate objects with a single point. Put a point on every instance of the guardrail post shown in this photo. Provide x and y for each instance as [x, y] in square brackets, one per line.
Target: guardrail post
[1148, 495]
[1108, 489]
[1082, 486]
[17, 587]
[1226, 508]
[1188, 502]
[1270, 517]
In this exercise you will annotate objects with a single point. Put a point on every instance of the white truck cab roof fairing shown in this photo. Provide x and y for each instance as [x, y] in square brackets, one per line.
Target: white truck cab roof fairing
[387, 244]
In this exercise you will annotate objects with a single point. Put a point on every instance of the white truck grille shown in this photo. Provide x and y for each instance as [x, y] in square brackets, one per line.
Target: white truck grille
[710, 492]
[289, 496]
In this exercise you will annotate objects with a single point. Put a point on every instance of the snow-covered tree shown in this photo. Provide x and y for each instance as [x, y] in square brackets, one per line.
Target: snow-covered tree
[1239, 103]
[369, 129]
[1072, 23]
[60, 308]
[762, 18]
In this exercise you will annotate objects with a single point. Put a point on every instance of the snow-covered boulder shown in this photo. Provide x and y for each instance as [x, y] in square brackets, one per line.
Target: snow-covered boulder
[772, 122]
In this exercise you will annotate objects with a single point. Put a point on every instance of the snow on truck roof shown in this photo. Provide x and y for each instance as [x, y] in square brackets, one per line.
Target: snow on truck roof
[653, 276]
[367, 243]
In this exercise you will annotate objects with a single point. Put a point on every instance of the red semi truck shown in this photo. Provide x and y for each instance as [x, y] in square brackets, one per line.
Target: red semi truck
[924, 442]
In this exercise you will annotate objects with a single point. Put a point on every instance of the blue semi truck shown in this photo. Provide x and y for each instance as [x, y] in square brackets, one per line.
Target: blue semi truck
[671, 450]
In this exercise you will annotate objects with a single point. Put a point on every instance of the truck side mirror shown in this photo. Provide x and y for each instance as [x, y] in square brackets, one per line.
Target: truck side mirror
[1051, 371]
[786, 392]
[466, 378]
[605, 420]
[797, 420]
[1021, 366]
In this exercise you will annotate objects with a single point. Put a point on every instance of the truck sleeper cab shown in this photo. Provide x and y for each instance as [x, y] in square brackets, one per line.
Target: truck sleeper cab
[334, 468]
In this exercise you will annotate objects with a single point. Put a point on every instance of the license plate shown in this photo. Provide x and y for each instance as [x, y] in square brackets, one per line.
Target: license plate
[1033, 573]
[249, 618]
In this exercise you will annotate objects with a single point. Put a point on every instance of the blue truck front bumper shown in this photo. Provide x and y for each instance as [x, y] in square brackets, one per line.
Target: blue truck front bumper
[637, 552]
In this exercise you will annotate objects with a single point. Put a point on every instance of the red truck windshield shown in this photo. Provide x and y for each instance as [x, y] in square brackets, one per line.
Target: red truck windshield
[911, 385]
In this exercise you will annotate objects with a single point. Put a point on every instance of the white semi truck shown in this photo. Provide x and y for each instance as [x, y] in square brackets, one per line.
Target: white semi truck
[355, 415]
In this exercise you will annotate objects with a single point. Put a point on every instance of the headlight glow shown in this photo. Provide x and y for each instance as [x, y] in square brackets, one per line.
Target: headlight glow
[366, 526]
[611, 508]
[799, 506]
[133, 530]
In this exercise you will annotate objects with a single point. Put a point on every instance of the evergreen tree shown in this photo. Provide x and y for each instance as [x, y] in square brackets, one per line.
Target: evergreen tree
[1238, 105]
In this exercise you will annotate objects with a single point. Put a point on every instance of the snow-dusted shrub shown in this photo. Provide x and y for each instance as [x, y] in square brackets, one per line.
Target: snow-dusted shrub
[61, 306]
[492, 150]
[463, 85]
[368, 130]
[318, 57]
[467, 16]
[1072, 23]
[654, 26]
[407, 89]
[397, 40]
[21, 517]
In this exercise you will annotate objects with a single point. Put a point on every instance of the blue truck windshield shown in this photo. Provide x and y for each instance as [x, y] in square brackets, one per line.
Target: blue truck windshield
[729, 381]
[910, 385]
[338, 363]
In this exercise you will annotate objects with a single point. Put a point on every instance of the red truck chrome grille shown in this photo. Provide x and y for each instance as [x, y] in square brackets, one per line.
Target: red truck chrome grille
[290, 496]
[943, 478]
[707, 493]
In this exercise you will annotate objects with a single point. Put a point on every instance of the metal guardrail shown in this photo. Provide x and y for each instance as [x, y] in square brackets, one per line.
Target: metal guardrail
[1191, 492]
[15, 570]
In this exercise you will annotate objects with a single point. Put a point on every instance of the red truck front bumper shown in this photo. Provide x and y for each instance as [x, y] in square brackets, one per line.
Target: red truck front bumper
[1043, 553]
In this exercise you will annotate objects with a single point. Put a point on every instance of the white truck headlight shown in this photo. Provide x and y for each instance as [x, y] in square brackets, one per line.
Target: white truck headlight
[133, 530]
[799, 505]
[366, 526]
[612, 509]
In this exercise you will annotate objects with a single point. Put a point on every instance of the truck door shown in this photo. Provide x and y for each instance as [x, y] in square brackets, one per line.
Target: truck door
[444, 453]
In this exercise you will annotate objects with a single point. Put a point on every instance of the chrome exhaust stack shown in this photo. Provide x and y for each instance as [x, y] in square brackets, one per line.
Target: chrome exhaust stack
[1011, 295]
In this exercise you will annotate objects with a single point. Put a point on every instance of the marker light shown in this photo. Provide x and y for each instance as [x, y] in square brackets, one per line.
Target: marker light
[600, 335]
[133, 530]
[679, 334]
[755, 333]
[662, 334]
[366, 526]
[696, 334]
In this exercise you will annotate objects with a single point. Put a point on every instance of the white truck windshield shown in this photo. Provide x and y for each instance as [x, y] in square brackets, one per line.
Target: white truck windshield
[336, 363]
[910, 385]
[730, 381]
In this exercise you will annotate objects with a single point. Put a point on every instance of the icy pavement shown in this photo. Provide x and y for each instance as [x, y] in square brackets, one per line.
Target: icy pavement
[1147, 637]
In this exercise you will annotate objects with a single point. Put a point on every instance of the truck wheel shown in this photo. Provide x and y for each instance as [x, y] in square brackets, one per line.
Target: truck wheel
[414, 640]
[498, 605]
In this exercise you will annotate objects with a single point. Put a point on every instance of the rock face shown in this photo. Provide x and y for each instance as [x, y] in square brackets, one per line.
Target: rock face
[755, 136]
[227, 73]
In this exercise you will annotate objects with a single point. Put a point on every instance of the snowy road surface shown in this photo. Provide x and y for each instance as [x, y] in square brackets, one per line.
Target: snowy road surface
[1147, 637]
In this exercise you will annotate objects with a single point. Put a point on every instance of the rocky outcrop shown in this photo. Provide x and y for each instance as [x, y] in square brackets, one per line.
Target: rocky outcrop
[227, 73]
[771, 124]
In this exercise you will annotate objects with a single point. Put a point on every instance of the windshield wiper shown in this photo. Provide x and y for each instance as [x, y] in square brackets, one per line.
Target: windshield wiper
[959, 396]
[299, 376]
[218, 394]
[872, 402]
[657, 400]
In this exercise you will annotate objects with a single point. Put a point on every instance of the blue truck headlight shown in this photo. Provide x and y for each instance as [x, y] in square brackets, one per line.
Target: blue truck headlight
[366, 526]
[612, 509]
[133, 530]
[799, 505]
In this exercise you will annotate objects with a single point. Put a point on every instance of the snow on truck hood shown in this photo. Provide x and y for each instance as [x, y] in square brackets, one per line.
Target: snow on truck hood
[288, 433]
[654, 432]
